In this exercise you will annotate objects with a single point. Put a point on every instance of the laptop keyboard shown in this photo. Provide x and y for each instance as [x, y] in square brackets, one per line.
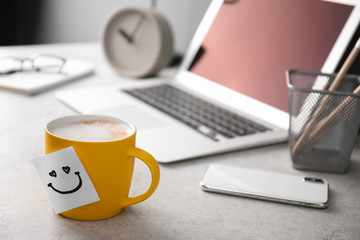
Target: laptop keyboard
[205, 117]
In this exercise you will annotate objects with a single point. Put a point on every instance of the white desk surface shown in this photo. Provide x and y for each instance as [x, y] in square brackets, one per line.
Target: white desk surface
[178, 209]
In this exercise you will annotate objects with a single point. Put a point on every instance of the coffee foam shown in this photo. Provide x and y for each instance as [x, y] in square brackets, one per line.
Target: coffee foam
[92, 131]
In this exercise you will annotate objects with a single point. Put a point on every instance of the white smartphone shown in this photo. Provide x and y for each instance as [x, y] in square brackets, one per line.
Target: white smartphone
[277, 187]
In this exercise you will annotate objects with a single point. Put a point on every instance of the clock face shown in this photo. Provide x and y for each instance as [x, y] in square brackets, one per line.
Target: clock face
[135, 40]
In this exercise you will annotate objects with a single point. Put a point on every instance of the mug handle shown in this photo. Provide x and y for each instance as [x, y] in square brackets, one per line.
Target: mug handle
[155, 173]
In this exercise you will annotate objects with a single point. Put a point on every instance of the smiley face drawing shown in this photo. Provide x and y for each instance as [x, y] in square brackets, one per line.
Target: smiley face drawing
[66, 169]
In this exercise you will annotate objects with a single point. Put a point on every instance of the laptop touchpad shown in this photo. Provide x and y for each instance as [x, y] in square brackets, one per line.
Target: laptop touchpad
[140, 118]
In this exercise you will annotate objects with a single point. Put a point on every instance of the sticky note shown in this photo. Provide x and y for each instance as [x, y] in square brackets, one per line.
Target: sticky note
[65, 180]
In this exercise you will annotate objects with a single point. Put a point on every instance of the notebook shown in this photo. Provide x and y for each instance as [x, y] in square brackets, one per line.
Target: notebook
[230, 91]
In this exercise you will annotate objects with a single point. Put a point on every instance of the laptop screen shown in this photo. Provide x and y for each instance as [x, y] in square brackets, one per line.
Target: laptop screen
[251, 44]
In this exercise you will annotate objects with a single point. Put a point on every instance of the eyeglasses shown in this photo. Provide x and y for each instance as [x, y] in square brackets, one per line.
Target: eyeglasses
[43, 63]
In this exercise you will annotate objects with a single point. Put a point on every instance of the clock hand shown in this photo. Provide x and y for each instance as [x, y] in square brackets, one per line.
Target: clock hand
[130, 37]
[137, 26]
[125, 34]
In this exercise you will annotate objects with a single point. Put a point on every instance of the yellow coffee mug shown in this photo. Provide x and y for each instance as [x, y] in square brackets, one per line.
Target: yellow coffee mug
[109, 165]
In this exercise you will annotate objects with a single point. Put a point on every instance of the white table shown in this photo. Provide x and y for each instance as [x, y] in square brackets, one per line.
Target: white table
[178, 209]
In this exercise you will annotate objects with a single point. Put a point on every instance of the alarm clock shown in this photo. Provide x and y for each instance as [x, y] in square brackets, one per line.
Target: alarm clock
[137, 42]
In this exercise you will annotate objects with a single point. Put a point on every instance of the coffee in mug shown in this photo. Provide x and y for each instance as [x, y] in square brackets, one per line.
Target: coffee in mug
[92, 131]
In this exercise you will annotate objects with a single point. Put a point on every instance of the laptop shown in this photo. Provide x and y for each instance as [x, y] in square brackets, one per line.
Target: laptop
[230, 91]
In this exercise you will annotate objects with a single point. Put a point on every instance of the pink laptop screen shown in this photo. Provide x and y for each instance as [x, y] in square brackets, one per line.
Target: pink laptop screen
[252, 43]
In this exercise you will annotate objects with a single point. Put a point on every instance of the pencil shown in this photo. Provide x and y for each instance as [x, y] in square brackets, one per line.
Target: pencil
[306, 139]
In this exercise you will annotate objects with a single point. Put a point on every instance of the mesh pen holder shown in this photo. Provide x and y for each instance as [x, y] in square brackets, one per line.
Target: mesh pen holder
[323, 124]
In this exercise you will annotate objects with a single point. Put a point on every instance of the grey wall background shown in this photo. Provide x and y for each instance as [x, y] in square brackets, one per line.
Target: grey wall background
[83, 20]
